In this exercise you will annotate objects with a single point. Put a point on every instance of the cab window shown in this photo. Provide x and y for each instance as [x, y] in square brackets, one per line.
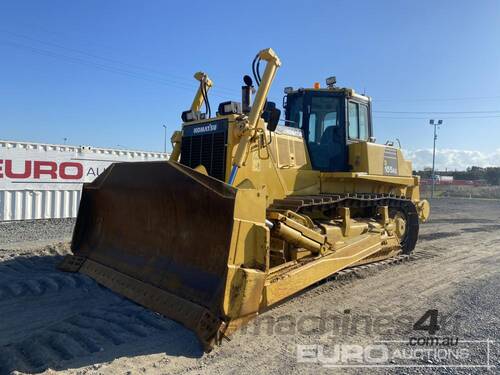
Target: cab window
[363, 122]
[312, 128]
[323, 117]
[294, 105]
[325, 133]
[358, 121]
[353, 121]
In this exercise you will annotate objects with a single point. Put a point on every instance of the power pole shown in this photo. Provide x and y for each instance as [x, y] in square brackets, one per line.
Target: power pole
[433, 175]
[165, 139]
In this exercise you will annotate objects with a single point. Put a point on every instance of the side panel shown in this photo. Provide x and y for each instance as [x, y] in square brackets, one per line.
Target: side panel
[280, 162]
[376, 159]
[348, 183]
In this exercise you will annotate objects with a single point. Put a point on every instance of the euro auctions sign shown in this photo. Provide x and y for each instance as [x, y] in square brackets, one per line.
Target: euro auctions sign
[38, 169]
[36, 166]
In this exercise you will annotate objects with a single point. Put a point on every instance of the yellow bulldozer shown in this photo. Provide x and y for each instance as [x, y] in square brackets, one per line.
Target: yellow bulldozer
[248, 211]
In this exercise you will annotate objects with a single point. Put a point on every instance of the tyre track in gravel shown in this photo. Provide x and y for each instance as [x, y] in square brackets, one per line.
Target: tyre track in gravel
[50, 317]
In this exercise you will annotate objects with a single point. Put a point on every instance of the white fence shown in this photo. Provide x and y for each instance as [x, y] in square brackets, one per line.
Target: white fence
[42, 181]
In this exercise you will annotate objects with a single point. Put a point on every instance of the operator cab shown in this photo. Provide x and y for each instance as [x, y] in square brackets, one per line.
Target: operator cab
[330, 120]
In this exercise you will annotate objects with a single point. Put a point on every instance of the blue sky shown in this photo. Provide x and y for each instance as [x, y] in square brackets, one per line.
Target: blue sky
[109, 73]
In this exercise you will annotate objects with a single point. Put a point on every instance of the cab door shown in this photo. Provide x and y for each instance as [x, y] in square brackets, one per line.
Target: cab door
[358, 119]
[324, 130]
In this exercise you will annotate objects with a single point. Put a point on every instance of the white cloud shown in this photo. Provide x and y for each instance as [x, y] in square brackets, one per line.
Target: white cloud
[451, 159]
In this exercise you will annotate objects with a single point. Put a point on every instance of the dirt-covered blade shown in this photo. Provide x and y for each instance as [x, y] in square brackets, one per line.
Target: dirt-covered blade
[159, 233]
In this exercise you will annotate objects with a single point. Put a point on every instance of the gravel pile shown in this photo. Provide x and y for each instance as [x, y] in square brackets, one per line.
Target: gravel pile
[36, 230]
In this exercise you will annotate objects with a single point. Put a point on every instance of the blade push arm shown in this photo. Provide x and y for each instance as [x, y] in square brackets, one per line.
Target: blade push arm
[205, 84]
[249, 125]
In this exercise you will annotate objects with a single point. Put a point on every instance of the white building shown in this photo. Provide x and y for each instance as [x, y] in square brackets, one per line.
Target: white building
[42, 181]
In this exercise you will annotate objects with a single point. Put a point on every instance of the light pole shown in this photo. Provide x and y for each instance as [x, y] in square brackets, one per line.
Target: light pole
[165, 139]
[433, 176]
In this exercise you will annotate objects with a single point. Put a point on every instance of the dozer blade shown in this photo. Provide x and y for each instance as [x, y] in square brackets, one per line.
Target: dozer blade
[159, 233]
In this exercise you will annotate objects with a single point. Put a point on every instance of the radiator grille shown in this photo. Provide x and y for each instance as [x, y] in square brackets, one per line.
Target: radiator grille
[207, 149]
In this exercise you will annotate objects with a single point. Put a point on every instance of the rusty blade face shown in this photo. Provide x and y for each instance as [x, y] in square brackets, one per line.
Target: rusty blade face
[160, 223]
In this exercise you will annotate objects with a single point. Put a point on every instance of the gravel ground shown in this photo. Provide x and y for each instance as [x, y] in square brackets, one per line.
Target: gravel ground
[62, 323]
[34, 233]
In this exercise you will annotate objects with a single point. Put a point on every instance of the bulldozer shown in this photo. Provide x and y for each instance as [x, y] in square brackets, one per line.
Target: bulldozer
[250, 208]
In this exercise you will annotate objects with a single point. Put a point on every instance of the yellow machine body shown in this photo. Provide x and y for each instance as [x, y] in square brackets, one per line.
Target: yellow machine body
[239, 219]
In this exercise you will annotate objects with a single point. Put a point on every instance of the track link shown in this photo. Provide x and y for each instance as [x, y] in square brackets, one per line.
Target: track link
[327, 202]
[351, 272]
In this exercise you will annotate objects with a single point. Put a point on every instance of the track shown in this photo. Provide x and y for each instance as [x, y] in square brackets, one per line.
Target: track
[326, 203]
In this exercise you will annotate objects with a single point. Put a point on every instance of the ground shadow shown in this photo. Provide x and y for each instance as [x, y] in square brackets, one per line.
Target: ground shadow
[484, 228]
[436, 235]
[460, 221]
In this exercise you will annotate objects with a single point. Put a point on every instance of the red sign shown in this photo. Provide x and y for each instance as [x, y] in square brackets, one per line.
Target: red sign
[37, 169]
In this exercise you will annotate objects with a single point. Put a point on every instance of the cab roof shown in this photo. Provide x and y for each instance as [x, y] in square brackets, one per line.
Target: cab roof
[339, 90]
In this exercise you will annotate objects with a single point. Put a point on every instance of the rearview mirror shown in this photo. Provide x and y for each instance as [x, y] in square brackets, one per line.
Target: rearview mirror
[271, 115]
[274, 118]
